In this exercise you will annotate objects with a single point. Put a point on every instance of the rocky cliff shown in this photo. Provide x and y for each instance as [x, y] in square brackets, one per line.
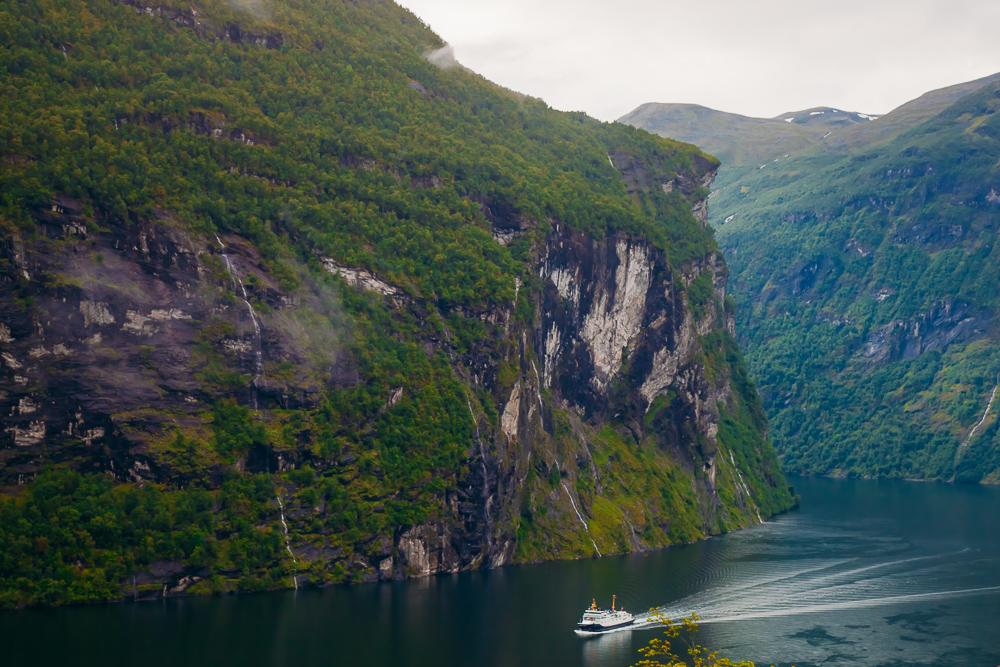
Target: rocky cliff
[864, 265]
[245, 348]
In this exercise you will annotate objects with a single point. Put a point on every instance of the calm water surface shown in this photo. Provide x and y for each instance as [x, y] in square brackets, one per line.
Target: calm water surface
[869, 573]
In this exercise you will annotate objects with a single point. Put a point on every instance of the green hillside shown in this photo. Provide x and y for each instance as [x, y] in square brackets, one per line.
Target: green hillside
[286, 303]
[866, 274]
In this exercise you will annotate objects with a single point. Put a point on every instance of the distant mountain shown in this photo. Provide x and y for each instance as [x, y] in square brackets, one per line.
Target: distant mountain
[740, 140]
[865, 135]
[866, 269]
[743, 140]
[825, 118]
[288, 298]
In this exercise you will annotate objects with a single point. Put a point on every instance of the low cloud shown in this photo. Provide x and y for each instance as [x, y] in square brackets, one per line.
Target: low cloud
[443, 57]
[257, 8]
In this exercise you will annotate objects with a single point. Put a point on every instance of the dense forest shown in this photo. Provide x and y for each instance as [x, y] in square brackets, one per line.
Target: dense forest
[865, 268]
[278, 304]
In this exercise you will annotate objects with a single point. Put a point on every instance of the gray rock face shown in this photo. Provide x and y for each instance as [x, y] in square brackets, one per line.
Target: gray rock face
[946, 323]
[613, 307]
[365, 280]
[613, 334]
[617, 310]
[110, 359]
[189, 18]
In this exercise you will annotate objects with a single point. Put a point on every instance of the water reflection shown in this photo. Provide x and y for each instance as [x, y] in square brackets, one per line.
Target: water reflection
[607, 649]
[865, 573]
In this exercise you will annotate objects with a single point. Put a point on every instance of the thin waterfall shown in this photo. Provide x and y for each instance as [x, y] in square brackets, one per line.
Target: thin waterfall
[486, 485]
[538, 391]
[513, 307]
[986, 413]
[743, 484]
[258, 350]
[964, 445]
[288, 541]
[582, 520]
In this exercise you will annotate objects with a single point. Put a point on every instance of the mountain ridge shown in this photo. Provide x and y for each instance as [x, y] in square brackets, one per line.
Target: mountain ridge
[740, 140]
[717, 131]
[864, 266]
[288, 304]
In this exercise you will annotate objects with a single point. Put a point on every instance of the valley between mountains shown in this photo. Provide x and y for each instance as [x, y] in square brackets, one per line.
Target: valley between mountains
[289, 297]
[865, 265]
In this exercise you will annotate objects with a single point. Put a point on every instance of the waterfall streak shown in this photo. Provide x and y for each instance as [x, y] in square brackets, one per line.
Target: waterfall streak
[743, 484]
[486, 483]
[258, 351]
[986, 413]
[582, 520]
[288, 541]
[538, 389]
[964, 445]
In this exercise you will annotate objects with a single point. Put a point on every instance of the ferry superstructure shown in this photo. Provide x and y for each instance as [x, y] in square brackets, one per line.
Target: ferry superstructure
[596, 621]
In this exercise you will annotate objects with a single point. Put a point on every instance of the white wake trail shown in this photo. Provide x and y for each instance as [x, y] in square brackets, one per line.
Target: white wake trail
[740, 591]
[846, 574]
[796, 592]
[849, 604]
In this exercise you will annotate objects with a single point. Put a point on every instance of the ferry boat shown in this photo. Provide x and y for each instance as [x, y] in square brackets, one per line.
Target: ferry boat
[595, 621]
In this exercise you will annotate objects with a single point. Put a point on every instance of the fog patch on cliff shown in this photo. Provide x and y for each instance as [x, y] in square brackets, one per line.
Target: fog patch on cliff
[258, 9]
[443, 57]
[316, 330]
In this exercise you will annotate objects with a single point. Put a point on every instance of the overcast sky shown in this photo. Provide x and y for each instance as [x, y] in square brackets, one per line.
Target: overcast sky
[755, 57]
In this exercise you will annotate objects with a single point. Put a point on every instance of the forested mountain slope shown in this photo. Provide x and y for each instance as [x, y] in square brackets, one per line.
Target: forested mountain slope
[866, 272]
[284, 303]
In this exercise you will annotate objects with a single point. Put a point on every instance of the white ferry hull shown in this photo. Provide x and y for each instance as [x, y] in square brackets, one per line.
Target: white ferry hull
[599, 621]
[590, 630]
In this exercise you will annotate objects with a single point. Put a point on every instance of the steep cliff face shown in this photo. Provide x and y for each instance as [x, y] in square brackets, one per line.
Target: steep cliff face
[865, 266]
[132, 332]
[597, 421]
[268, 331]
[116, 338]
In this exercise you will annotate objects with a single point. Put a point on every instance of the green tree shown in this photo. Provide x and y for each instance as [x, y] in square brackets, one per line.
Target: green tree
[661, 650]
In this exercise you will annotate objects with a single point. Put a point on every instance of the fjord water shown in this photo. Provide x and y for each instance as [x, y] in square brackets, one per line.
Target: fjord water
[873, 573]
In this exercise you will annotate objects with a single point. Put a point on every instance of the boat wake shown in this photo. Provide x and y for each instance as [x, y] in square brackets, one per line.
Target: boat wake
[826, 586]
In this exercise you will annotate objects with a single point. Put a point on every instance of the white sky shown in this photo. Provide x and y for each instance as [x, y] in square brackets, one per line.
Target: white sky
[755, 57]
